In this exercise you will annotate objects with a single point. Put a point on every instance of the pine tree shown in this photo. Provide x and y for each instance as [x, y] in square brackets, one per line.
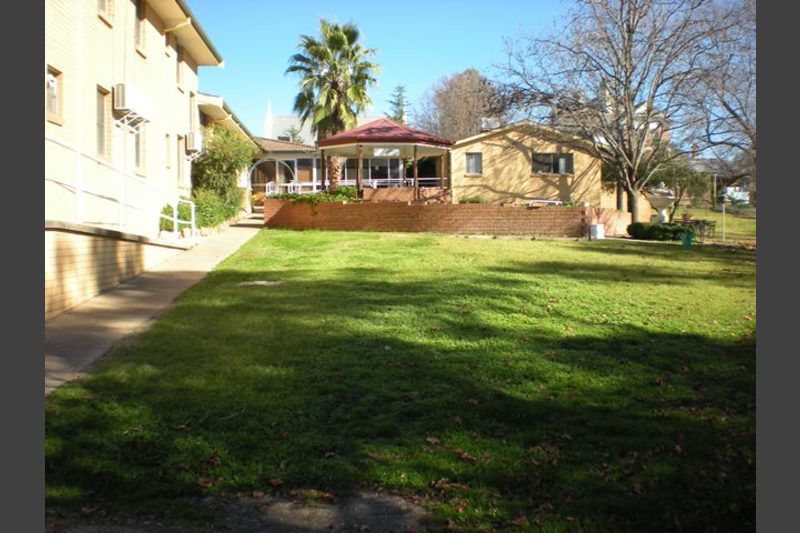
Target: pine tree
[399, 104]
[294, 134]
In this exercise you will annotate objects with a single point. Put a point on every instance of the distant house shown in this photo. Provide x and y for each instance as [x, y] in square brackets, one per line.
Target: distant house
[275, 126]
[517, 164]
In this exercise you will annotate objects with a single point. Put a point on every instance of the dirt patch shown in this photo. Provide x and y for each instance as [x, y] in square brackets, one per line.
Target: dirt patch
[372, 512]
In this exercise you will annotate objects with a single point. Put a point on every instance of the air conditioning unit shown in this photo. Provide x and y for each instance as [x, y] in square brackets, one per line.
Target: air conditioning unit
[489, 123]
[121, 104]
[131, 103]
[194, 142]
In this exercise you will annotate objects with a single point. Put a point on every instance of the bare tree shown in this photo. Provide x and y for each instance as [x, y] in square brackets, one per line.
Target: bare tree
[454, 106]
[726, 94]
[618, 74]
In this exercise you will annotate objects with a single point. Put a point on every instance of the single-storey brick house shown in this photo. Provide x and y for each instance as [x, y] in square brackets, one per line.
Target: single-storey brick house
[517, 164]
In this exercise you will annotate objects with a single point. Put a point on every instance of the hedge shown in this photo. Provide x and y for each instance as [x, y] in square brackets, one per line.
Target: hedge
[662, 231]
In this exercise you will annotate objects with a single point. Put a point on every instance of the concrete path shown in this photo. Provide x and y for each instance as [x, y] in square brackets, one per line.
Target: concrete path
[77, 337]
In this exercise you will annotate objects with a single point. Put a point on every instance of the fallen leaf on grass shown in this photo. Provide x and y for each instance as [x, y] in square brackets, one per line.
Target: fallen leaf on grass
[473, 401]
[328, 455]
[433, 440]
[276, 482]
[205, 482]
[464, 456]
[258, 494]
[458, 421]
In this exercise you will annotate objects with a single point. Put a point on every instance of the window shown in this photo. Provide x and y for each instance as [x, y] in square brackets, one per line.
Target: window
[102, 122]
[552, 163]
[193, 112]
[283, 138]
[181, 146]
[179, 67]
[475, 163]
[168, 155]
[105, 10]
[138, 149]
[54, 95]
[139, 26]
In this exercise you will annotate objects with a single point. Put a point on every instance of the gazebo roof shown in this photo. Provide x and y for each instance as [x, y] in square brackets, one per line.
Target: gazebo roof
[384, 131]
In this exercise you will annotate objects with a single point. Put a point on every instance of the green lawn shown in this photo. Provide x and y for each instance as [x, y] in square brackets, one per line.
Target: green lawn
[597, 386]
[737, 228]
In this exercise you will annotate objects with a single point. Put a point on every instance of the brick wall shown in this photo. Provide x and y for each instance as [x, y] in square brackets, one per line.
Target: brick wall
[406, 194]
[81, 264]
[438, 218]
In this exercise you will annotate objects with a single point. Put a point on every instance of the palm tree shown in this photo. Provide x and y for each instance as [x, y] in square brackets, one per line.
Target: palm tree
[334, 75]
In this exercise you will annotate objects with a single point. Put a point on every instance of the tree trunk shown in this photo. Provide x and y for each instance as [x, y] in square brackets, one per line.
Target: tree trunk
[633, 203]
[334, 169]
[620, 193]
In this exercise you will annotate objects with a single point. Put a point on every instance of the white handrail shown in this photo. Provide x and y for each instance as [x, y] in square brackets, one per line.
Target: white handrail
[161, 197]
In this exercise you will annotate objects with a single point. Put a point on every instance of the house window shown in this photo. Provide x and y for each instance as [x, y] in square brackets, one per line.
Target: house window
[179, 67]
[475, 163]
[138, 149]
[168, 154]
[552, 163]
[105, 10]
[139, 26]
[54, 95]
[103, 114]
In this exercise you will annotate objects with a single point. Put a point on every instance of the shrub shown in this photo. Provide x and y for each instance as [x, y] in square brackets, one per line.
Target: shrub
[658, 232]
[184, 213]
[342, 194]
[473, 200]
[212, 209]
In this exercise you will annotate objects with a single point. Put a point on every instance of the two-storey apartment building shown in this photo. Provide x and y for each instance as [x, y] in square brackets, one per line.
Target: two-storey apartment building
[122, 126]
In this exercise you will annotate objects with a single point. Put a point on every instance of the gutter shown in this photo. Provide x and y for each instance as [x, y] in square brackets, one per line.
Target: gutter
[188, 12]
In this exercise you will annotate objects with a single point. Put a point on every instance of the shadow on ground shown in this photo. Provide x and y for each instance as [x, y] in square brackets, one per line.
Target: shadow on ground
[353, 380]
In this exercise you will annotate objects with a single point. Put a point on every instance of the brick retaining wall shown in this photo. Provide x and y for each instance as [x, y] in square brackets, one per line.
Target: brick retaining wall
[406, 194]
[438, 218]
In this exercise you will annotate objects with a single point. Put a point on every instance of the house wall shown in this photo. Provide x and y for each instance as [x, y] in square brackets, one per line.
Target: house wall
[508, 172]
[608, 200]
[82, 261]
[91, 51]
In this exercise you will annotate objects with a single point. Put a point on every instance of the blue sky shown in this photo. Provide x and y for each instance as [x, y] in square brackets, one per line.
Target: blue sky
[418, 42]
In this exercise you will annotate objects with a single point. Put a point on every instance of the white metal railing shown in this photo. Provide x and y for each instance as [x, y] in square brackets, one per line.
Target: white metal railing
[156, 198]
[305, 187]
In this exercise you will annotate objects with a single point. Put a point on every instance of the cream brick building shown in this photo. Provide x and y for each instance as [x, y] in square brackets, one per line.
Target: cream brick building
[122, 124]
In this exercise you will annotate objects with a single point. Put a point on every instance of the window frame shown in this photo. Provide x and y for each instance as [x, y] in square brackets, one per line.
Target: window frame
[180, 146]
[139, 158]
[179, 77]
[555, 163]
[56, 117]
[106, 13]
[480, 163]
[168, 152]
[140, 27]
[103, 146]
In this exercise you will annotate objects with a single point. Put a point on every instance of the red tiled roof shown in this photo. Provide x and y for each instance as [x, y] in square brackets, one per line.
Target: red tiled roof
[384, 130]
[276, 145]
